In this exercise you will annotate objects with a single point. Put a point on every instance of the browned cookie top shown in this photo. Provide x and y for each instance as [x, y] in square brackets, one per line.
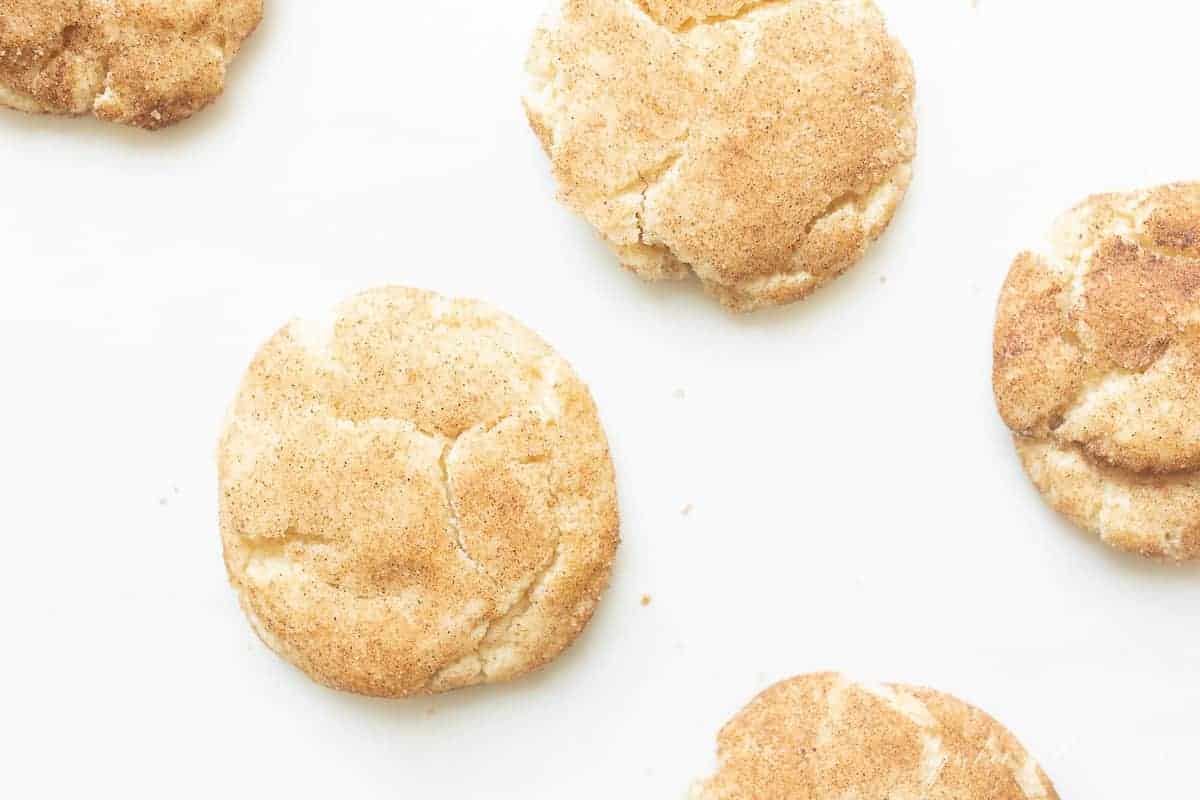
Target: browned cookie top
[416, 496]
[1097, 368]
[760, 145]
[148, 63]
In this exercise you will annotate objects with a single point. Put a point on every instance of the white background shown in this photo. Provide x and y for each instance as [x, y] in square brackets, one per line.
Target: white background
[857, 503]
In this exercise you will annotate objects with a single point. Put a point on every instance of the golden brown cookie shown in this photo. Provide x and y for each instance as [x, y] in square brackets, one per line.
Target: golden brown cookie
[1097, 368]
[416, 496]
[148, 63]
[825, 737]
[759, 145]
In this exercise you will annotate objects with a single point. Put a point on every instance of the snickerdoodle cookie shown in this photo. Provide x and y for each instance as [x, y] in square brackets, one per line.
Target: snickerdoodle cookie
[759, 145]
[148, 63]
[1097, 368]
[416, 496]
[825, 737]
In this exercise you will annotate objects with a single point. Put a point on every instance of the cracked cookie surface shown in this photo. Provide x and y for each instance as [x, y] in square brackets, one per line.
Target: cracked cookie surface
[147, 63]
[826, 737]
[761, 146]
[1097, 368]
[416, 496]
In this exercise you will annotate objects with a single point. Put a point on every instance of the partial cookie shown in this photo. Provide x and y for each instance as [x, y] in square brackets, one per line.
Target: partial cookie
[148, 63]
[760, 145]
[416, 496]
[825, 737]
[1097, 368]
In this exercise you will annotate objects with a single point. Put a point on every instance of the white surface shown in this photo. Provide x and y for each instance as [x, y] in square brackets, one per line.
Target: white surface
[857, 504]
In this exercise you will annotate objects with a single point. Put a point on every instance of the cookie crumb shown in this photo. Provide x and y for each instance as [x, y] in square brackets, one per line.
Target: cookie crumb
[646, 600]
[686, 510]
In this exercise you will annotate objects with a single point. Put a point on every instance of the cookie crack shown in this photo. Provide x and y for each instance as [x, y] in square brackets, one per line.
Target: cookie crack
[1112, 471]
[857, 198]
[1167, 541]
[452, 503]
[497, 631]
[1165, 252]
[649, 181]
[1138, 236]
[291, 535]
[267, 549]
[690, 23]
[105, 86]
[448, 444]
[747, 10]
[850, 199]
[1093, 386]
[408, 424]
[1101, 371]
[275, 547]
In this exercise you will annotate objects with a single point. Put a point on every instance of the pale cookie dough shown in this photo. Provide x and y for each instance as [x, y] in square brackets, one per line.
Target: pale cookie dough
[1097, 368]
[759, 145]
[416, 496]
[148, 63]
[825, 737]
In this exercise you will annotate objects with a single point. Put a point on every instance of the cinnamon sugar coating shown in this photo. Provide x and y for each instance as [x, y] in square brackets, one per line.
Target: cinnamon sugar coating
[416, 496]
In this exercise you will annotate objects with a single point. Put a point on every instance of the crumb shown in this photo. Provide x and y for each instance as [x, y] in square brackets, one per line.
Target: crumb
[678, 394]
[883, 278]
[645, 600]
[686, 509]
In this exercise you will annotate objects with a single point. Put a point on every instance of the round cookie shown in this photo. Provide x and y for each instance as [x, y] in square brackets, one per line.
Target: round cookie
[825, 737]
[759, 145]
[1097, 368]
[416, 496]
[148, 63]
